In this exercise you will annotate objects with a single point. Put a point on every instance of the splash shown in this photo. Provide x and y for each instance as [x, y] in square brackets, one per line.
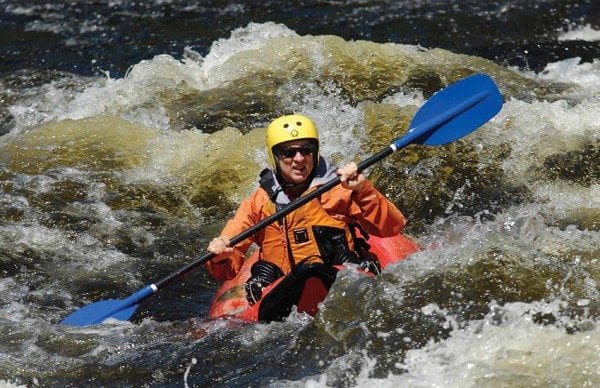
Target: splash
[111, 182]
[508, 347]
[585, 32]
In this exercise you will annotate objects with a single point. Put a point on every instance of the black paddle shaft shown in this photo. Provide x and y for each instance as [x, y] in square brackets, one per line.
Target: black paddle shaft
[272, 218]
[448, 115]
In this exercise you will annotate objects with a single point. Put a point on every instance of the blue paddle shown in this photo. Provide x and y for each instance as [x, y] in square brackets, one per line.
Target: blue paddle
[448, 115]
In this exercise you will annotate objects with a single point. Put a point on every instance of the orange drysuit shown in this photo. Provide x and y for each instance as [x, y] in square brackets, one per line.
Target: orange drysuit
[292, 240]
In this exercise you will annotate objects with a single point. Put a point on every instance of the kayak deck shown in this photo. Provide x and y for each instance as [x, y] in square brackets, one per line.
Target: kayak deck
[305, 287]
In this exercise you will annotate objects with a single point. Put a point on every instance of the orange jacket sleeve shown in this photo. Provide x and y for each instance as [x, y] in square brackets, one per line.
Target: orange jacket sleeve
[224, 267]
[373, 211]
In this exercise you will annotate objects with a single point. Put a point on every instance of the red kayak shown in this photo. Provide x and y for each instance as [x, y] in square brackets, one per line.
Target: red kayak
[305, 287]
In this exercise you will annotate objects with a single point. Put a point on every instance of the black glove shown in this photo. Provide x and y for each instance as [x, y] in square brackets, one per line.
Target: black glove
[365, 259]
[345, 255]
[262, 273]
[368, 261]
[254, 287]
[371, 266]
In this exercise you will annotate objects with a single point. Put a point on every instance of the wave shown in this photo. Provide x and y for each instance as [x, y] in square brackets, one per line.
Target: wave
[111, 182]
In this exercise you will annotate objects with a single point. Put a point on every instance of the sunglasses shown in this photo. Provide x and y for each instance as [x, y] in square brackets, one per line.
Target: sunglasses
[290, 152]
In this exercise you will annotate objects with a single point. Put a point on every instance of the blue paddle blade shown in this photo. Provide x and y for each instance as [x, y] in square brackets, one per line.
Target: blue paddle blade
[118, 309]
[454, 112]
[98, 312]
[448, 115]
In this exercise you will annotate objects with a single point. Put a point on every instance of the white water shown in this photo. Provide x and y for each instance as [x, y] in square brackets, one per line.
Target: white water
[506, 346]
[586, 32]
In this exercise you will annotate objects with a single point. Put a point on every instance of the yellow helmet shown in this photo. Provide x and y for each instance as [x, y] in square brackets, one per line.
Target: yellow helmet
[287, 128]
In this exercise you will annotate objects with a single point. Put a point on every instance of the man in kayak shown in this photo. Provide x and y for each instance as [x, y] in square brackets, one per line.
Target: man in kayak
[322, 231]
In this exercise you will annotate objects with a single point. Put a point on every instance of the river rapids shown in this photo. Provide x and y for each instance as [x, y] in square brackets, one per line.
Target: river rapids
[111, 180]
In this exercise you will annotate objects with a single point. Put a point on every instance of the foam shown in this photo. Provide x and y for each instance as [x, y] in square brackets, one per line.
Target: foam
[585, 32]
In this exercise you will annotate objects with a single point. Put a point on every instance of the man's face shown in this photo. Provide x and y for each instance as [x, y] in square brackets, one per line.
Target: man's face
[295, 160]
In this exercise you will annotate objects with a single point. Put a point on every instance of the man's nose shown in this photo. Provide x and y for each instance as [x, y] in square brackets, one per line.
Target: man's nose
[298, 156]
